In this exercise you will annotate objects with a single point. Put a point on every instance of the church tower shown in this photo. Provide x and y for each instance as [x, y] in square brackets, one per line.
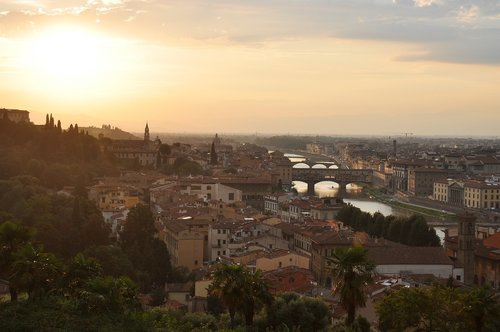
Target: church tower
[146, 133]
[466, 243]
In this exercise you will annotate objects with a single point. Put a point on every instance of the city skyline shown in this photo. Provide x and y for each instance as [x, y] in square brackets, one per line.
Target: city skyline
[386, 67]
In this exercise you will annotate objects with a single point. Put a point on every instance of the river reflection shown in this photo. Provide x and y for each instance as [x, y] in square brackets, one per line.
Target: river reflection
[357, 198]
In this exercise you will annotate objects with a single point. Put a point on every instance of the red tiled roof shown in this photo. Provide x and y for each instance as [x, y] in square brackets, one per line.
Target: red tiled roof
[492, 241]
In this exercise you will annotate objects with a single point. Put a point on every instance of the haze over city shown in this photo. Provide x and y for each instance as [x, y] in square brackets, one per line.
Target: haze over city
[315, 67]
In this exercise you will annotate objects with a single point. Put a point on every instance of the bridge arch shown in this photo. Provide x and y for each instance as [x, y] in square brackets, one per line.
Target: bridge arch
[319, 166]
[341, 176]
[301, 165]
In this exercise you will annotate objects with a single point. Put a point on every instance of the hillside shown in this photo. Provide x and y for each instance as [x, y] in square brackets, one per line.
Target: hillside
[108, 131]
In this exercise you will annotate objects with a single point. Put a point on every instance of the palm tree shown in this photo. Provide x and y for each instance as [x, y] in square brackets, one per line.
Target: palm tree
[256, 295]
[351, 272]
[227, 286]
[13, 236]
[35, 271]
[239, 290]
[481, 306]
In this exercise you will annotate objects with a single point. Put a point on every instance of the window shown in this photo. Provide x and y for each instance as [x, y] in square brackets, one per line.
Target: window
[231, 196]
[196, 262]
[209, 187]
[280, 264]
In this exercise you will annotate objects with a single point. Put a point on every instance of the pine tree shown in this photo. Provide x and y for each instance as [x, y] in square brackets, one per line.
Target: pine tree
[51, 122]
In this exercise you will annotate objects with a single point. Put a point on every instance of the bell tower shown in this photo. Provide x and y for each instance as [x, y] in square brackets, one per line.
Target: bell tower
[466, 244]
[146, 133]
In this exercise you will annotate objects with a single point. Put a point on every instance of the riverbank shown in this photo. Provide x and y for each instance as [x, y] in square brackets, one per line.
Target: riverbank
[434, 215]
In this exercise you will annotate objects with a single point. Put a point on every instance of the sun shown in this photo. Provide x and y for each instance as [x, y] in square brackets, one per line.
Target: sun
[67, 53]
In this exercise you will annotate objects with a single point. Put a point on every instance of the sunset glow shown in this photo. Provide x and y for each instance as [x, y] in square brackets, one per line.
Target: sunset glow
[243, 67]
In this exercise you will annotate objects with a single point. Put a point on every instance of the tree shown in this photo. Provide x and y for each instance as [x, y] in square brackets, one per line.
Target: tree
[481, 306]
[238, 289]
[80, 270]
[228, 285]
[424, 308]
[35, 271]
[148, 254]
[138, 229]
[113, 260]
[13, 237]
[351, 272]
[256, 295]
[291, 312]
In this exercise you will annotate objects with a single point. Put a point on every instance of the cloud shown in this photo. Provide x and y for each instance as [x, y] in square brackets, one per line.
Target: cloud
[426, 3]
[444, 30]
[468, 14]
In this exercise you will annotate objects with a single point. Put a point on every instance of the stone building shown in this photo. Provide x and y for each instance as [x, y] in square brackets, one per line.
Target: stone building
[145, 152]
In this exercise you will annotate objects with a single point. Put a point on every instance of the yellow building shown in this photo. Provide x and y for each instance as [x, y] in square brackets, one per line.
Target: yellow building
[114, 197]
[481, 195]
[280, 259]
[185, 244]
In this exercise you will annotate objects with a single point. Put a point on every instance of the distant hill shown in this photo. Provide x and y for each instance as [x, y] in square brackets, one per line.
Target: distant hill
[108, 131]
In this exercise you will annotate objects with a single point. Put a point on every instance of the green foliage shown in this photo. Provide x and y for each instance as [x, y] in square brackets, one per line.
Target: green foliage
[55, 157]
[412, 231]
[425, 308]
[360, 324]
[35, 271]
[171, 320]
[148, 254]
[291, 312]
[13, 237]
[351, 272]
[239, 290]
[113, 261]
[64, 225]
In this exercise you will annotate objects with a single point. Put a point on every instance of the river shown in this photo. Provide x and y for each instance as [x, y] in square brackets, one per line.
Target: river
[355, 196]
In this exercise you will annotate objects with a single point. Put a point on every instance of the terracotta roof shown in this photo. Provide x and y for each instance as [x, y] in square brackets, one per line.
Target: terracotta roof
[408, 255]
[175, 226]
[334, 237]
[281, 252]
[492, 241]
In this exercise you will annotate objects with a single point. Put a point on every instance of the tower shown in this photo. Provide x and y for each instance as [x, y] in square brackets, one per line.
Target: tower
[466, 242]
[146, 133]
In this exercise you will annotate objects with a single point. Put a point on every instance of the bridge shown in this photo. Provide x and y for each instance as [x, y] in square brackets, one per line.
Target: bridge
[309, 163]
[343, 177]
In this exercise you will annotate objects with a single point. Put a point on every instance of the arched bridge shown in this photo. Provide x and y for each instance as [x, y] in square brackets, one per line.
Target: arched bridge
[309, 163]
[343, 177]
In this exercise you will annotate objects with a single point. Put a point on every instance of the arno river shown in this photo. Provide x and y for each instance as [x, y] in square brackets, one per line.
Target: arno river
[355, 195]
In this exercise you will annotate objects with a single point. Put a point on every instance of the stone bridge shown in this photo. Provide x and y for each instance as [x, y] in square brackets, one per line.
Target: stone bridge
[312, 163]
[343, 177]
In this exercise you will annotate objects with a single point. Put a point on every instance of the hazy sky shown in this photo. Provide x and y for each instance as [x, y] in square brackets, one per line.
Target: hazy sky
[296, 66]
